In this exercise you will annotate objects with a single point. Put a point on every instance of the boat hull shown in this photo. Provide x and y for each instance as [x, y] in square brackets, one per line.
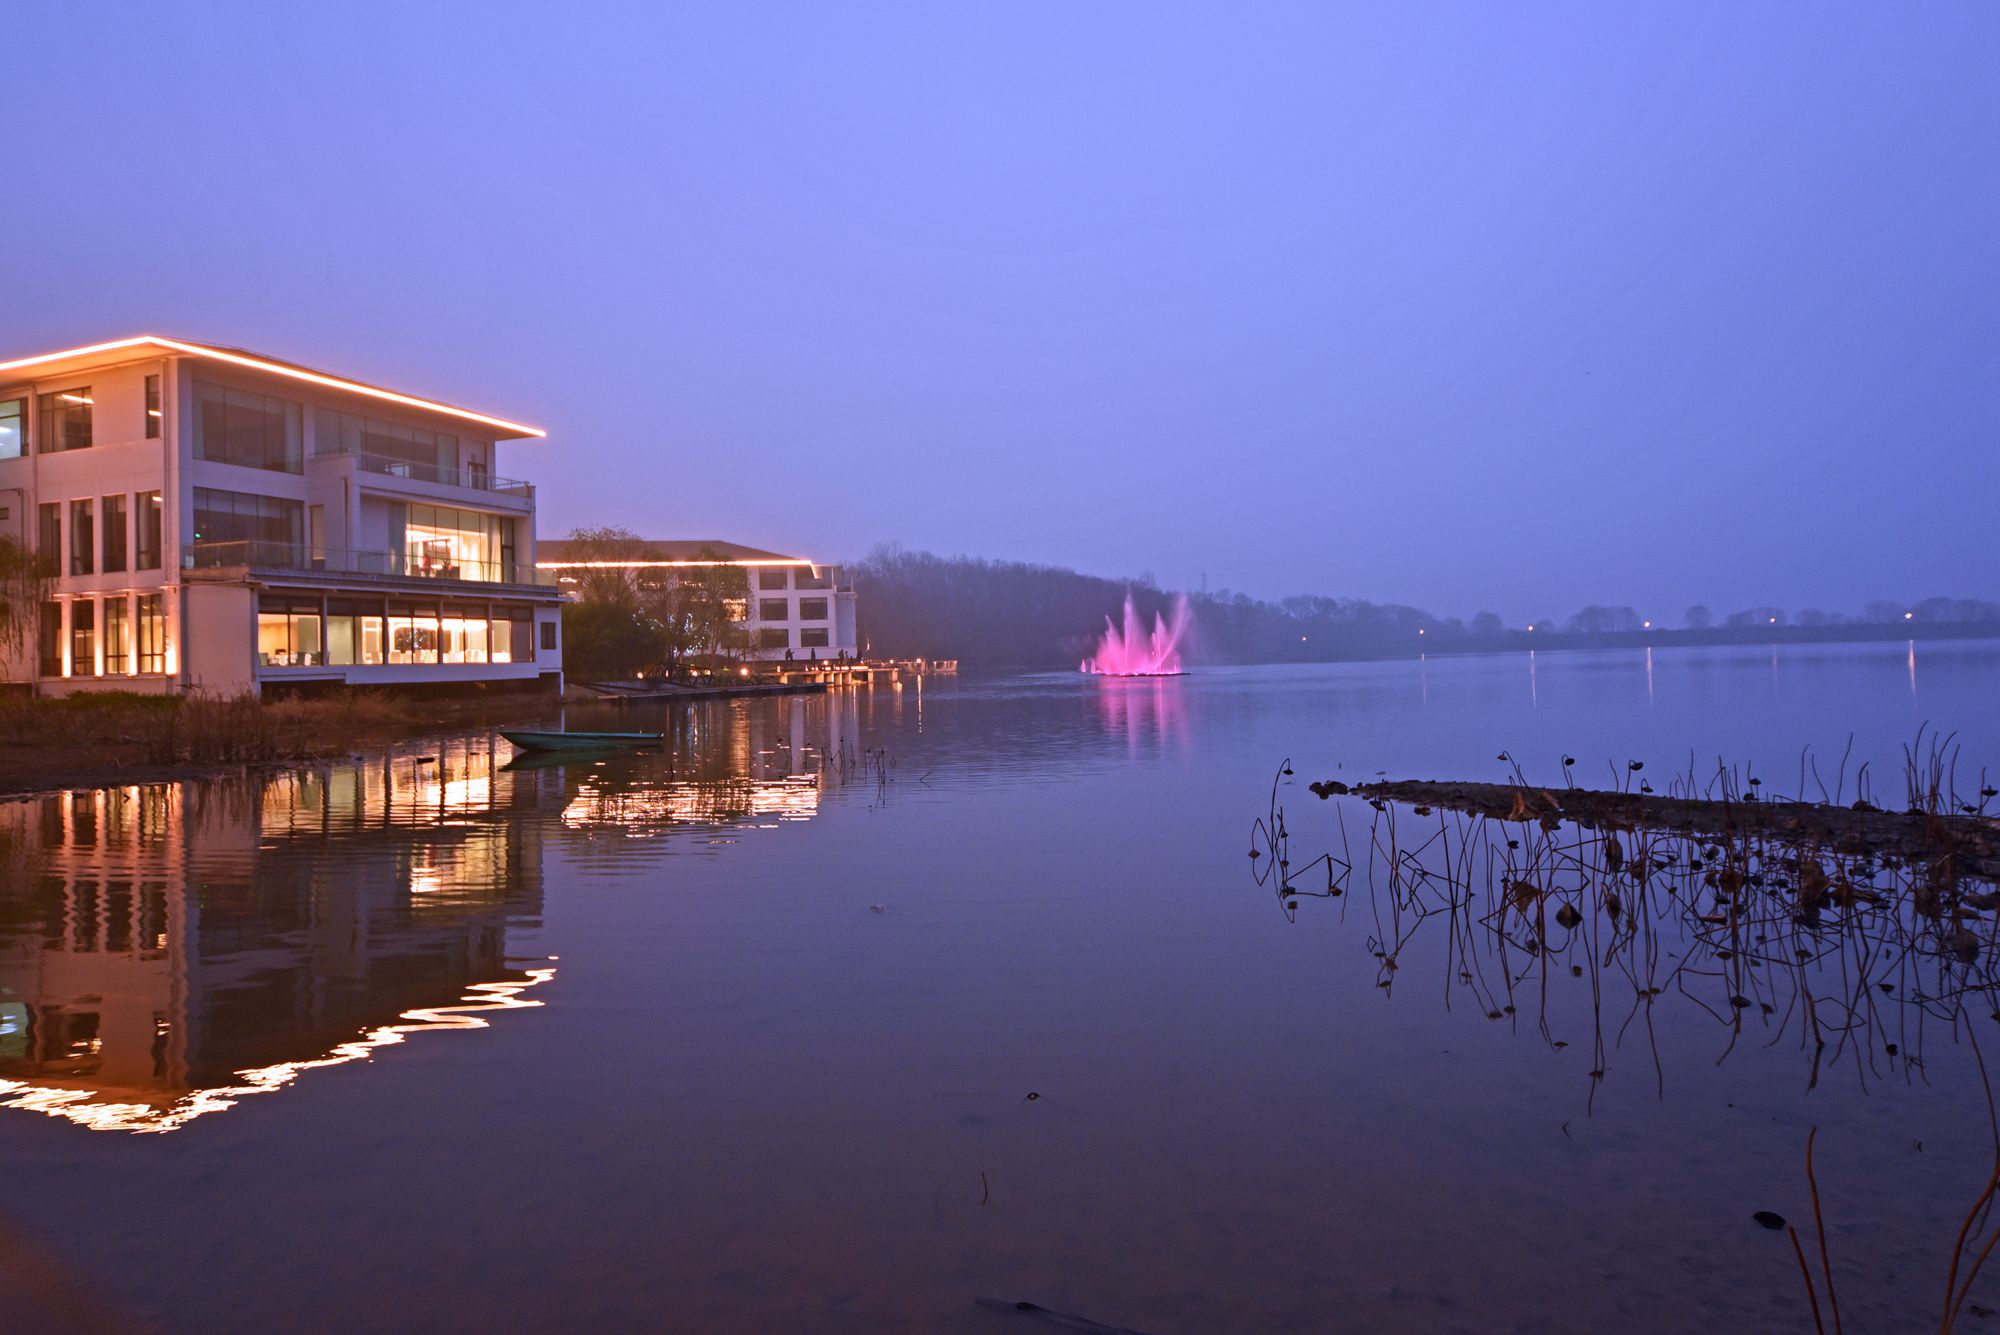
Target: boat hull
[532, 740]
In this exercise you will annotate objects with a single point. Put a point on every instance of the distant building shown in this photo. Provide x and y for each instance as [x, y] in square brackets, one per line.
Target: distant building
[795, 606]
[223, 521]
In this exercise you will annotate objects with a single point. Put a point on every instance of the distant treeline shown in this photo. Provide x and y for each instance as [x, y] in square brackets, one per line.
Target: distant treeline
[1013, 614]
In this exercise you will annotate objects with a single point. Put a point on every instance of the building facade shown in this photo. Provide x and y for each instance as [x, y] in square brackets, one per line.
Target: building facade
[216, 520]
[795, 608]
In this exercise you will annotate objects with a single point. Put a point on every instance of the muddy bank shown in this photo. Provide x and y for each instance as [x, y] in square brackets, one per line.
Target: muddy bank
[1859, 830]
[53, 746]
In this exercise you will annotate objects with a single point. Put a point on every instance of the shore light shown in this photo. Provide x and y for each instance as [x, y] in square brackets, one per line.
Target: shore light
[1908, 615]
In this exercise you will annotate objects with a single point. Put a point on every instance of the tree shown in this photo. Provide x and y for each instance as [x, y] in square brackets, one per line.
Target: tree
[699, 610]
[26, 580]
[1487, 625]
[606, 638]
[606, 630]
[1595, 620]
[1752, 617]
[1699, 617]
[1956, 610]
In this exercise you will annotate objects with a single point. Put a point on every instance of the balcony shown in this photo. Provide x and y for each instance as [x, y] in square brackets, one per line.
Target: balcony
[473, 479]
[294, 559]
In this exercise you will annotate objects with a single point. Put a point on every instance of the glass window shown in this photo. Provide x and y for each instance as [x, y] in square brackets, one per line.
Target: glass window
[48, 539]
[773, 637]
[447, 543]
[50, 641]
[150, 514]
[773, 609]
[353, 632]
[809, 578]
[114, 534]
[464, 635]
[513, 636]
[549, 636]
[13, 428]
[812, 637]
[66, 420]
[288, 632]
[272, 639]
[83, 638]
[152, 633]
[234, 426]
[117, 637]
[240, 516]
[308, 649]
[769, 577]
[410, 451]
[82, 539]
[152, 407]
[812, 609]
[413, 634]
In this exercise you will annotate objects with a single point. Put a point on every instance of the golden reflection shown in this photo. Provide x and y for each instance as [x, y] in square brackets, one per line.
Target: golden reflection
[167, 950]
[94, 1108]
[746, 767]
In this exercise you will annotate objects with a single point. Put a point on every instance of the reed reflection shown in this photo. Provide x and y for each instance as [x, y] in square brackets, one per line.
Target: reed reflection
[166, 950]
[1852, 934]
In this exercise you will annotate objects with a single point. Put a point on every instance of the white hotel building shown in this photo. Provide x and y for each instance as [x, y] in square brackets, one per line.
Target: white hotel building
[220, 521]
[796, 610]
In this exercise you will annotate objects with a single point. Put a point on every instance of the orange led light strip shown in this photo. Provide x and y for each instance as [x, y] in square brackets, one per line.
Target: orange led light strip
[661, 565]
[276, 368]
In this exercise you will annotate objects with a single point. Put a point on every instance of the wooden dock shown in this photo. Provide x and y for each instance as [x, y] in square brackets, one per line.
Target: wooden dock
[652, 692]
[797, 677]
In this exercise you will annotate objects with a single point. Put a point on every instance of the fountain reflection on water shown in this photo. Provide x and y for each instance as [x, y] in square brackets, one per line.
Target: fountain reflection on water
[1131, 650]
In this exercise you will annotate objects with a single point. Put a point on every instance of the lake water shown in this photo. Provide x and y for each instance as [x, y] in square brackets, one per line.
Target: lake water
[842, 1012]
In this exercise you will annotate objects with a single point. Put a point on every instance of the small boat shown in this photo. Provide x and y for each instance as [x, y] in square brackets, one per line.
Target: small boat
[529, 740]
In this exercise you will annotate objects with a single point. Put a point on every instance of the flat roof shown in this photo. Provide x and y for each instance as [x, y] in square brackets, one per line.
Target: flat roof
[556, 553]
[270, 365]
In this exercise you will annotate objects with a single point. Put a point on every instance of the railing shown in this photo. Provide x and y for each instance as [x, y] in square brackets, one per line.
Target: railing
[381, 565]
[476, 478]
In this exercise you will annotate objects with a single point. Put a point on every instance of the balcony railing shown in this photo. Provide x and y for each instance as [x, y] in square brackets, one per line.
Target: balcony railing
[295, 557]
[475, 478]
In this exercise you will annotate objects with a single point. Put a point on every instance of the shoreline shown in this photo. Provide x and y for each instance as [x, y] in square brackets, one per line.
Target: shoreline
[110, 747]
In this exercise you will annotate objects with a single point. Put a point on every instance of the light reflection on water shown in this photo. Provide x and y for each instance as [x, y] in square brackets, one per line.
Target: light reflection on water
[169, 949]
[737, 1034]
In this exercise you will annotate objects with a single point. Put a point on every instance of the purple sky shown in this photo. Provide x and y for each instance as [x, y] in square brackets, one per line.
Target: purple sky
[1493, 305]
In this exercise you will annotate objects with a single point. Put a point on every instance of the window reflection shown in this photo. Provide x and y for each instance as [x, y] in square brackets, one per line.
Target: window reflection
[175, 948]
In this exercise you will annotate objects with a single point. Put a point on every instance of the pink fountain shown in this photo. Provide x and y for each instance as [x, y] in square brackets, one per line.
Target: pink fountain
[1132, 651]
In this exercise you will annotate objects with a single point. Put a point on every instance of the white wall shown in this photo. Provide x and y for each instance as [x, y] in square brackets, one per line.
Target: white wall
[219, 640]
